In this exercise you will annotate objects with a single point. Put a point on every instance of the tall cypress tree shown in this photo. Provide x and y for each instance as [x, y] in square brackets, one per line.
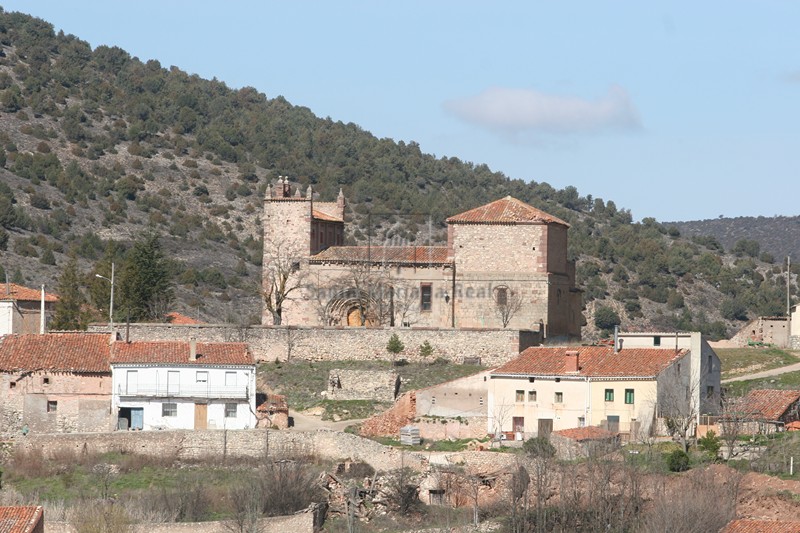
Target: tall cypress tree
[70, 310]
[146, 281]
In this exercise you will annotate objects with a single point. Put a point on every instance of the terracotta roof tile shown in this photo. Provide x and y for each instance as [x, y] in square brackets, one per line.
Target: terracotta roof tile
[384, 254]
[12, 291]
[58, 352]
[597, 361]
[20, 519]
[749, 525]
[586, 433]
[507, 210]
[177, 352]
[770, 404]
[181, 319]
[319, 215]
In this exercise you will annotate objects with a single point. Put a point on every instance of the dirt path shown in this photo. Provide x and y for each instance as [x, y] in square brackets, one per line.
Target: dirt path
[766, 373]
[307, 422]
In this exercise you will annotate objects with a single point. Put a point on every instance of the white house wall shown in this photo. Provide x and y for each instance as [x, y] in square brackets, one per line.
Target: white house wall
[153, 387]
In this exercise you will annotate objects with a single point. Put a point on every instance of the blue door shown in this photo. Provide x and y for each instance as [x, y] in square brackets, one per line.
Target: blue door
[137, 418]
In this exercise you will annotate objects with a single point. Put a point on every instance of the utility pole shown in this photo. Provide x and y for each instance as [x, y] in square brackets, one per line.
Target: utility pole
[789, 301]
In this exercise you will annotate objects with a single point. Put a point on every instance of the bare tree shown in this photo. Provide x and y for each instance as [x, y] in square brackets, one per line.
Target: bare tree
[735, 416]
[283, 276]
[500, 415]
[507, 303]
[678, 406]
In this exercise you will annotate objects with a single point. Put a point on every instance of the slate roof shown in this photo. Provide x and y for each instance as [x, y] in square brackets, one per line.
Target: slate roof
[177, 353]
[384, 254]
[749, 525]
[56, 352]
[586, 433]
[20, 519]
[771, 404]
[593, 361]
[12, 291]
[507, 210]
[181, 319]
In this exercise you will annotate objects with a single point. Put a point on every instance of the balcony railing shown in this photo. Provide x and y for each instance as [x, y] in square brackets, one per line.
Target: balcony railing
[164, 391]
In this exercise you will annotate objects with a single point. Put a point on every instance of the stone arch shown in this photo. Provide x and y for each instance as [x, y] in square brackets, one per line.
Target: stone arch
[345, 307]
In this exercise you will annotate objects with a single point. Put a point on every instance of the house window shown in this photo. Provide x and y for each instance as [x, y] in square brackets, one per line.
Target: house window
[559, 397]
[426, 291]
[501, 296]
[629, 396]
[52, 406]
[531, 395]
[230, 379]
[710, 363]
[609, 395]
[45, 381]
[202, 376]
[12, 385]
[520, 396]
[433, 400]
[657, 341]
[581, 421]
[710, 391]
[230, 410]
[169, 409]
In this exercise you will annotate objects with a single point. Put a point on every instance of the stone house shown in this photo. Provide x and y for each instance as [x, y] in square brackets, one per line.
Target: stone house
[22, 519]
[273, 412]
[550, 389]
[55, 383]
[762, 331]
[769, 410]
[580, 443]
[21, 309]
[183, 385]
[504, 265]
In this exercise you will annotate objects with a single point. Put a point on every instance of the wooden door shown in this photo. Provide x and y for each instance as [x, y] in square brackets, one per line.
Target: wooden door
[200, 416]
[545, 427]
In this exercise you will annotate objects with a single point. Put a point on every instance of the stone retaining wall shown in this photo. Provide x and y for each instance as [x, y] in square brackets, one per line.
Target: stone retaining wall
[299, 523]
[376, 385]
[270, 343]
[257, 444]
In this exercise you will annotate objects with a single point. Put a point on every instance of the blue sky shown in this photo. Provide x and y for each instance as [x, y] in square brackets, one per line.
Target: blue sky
[679, 110]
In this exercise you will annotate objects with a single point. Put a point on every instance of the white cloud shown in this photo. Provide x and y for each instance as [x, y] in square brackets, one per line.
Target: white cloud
[520, 110]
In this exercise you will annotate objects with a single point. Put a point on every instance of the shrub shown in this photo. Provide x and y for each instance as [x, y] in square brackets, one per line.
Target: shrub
[710, 444]
[395, 345]
[425, 349]
[606, 318]
[678, 461]
[539, 447]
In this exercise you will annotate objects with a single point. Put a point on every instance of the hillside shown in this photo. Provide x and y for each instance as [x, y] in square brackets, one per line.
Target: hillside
[97, 146]
[777, 236]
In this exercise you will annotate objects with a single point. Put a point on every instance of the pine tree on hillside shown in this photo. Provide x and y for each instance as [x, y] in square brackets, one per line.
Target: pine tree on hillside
[146, 281]
[70, 313]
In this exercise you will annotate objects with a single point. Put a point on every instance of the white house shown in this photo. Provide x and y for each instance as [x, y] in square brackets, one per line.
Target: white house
[183, 385]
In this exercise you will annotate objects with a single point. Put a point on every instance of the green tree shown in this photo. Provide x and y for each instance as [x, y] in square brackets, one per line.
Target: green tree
[146, 281]
[606, 318]
[395, 345]
[70, 310]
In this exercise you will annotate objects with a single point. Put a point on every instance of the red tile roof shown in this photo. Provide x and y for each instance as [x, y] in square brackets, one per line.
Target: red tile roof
[20, 519]
[180, 319]
[177, 352]
[507, 210]
[384, 254]
[596, 361]
[749, 525]
[57, 352]
[12, 291]
[320, 215]
[586, 433]
[770, 404]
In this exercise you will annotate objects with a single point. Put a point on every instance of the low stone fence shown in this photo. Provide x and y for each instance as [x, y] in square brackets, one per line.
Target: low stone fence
[256, 444]
[270, 343]
[299, 523]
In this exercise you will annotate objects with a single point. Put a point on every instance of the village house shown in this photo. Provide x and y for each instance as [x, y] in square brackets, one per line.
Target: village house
[768, 410]
[183, 385]
[55, 383]
[504, 265]
[22, 519]
[621, 388]
[21, 309]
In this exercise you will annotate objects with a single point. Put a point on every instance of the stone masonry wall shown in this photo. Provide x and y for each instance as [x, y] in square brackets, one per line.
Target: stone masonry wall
[377, 385]
[255, 444]
[271, 343]
[299, 523]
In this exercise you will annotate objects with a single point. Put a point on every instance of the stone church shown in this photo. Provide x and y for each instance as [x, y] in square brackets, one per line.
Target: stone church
[505, 265]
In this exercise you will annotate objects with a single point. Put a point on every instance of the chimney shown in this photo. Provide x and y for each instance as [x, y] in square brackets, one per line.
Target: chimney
[192, 349]
[309, 193]
[41, 314]
[571, 364]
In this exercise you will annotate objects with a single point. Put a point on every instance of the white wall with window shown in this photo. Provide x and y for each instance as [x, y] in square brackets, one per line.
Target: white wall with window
[190, 396]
